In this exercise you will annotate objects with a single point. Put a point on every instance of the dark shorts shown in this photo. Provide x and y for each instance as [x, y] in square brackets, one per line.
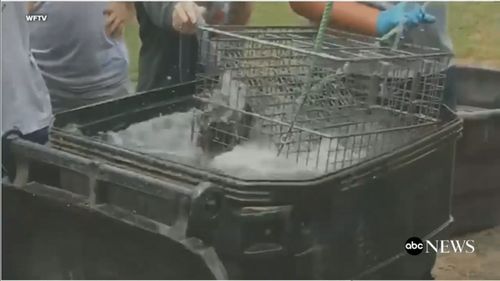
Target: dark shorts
[8, 162]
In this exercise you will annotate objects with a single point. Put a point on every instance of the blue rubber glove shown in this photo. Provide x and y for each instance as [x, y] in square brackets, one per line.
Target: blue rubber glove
[410, 14]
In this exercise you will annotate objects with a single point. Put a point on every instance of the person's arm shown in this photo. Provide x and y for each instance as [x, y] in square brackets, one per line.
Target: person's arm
[118, 14]
[32, 6]
[240, 12]
[181, 16]
[350, 16]
[360, 18]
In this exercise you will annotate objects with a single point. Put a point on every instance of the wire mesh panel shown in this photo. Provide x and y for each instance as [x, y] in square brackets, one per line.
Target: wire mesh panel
[327, 147]
[373, 74]
[352, 100]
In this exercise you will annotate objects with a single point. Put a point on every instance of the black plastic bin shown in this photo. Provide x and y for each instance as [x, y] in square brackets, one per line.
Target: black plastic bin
[122, 210]
[476, 200]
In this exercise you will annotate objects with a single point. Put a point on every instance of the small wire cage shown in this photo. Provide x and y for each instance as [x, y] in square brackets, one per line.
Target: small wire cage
[361, 99]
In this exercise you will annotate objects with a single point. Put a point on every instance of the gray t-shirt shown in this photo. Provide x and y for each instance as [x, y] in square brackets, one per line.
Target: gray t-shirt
[25, 98]
[73, 51]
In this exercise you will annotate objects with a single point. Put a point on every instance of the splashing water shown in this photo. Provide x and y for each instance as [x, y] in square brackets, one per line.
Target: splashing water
[169, 137]
[164, 136]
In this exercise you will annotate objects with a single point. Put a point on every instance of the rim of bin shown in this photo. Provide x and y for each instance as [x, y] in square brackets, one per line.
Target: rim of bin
[450, 127]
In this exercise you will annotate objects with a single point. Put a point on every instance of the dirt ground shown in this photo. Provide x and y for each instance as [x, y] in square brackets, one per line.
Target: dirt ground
[483, 264]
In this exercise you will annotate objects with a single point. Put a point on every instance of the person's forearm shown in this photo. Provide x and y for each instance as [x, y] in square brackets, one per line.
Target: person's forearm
[131, 11]
[31, 7]
[125, 10]
[240, 12]
[350, 16]
[160, 13]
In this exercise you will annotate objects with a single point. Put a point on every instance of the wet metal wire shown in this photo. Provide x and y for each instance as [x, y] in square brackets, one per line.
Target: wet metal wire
[365, 99]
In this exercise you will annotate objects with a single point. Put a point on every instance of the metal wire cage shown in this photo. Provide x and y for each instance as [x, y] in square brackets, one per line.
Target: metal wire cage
[361, 100]
[409, 79]
[325, 144]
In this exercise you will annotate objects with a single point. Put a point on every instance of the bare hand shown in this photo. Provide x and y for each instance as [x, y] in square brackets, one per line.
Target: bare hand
[186, 16]
[33, 6]
[117, 15]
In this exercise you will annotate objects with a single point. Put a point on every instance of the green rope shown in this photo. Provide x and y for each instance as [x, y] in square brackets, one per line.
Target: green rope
[323, 26]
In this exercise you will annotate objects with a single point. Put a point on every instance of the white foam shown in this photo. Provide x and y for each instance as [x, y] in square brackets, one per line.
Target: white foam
[254, 161]
[162, 136]
[169, 136]
[257, 161]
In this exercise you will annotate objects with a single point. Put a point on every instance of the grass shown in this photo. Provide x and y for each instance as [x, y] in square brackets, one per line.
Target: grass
[473, 26]
[133, 44]
[475, 31]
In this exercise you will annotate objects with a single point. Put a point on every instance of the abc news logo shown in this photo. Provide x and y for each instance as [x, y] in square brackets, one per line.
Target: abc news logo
[415, 246]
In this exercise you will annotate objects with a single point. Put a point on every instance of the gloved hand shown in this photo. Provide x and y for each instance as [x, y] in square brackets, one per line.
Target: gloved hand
[186, 16]
[410, 14]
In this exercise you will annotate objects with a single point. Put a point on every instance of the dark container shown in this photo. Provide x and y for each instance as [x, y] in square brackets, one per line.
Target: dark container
[476, 200]
[109, 212]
